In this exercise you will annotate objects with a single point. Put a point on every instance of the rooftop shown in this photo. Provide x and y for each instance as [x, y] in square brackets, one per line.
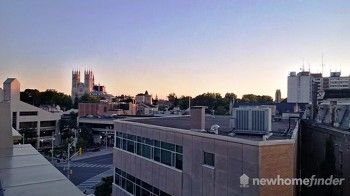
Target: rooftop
[281, 129]
[23, 171]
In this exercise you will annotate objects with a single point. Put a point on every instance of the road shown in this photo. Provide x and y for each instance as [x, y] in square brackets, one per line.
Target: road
[85, 169]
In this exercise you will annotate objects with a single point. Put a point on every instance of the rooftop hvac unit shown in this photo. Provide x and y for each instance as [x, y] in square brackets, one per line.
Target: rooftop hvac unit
[253, 120]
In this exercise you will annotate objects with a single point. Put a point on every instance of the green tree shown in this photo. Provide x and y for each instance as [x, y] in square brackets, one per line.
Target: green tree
[172, 98]
[85, 139]
[183, 102]
[86, 98]
[105, 188]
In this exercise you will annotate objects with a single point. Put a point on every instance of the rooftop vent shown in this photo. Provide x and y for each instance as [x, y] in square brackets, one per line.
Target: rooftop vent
[214, 129]
[252, 120]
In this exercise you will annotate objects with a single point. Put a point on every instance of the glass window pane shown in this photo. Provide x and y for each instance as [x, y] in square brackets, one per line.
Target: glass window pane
[156, 154]
[124, 144]
[178, 163]
[129, 187]
[166, 157]
[146, 151]
[209, 159]
[168, 146]
[139, 148]
[157, 143]
[178, 149]
[130, 146]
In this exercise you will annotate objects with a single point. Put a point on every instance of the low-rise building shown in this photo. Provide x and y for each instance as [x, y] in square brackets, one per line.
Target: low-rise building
[200, 155]
[36, 125]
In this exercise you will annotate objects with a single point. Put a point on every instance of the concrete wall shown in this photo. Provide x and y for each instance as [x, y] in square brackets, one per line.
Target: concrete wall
[233, 157]
[313, 149]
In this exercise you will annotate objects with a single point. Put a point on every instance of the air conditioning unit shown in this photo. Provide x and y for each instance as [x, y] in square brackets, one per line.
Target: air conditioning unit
[254, 120]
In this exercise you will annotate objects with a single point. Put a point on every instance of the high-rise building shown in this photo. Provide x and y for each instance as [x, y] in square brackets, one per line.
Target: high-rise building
[278, 97]
[300, 87]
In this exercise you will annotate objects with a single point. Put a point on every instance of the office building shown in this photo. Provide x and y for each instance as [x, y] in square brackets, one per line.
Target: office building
[200, 155]
[23, 170]
[36, 125]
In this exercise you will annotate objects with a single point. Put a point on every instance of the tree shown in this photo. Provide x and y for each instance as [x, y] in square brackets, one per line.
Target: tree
[230, 96]
[105, 188]
[86, 98]
[86, 139]
[183, 102]
[172, 98]
[251, 98]
[67, 124]
[48, 97]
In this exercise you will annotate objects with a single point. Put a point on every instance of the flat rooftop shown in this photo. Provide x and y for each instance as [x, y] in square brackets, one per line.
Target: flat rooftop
[280, 129]
[24, 171]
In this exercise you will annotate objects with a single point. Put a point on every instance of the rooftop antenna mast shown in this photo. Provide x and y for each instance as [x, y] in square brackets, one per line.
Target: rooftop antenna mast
[322, 64]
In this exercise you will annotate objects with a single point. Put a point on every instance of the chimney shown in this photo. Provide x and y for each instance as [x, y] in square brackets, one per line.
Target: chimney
[197, 118]
[5, 125]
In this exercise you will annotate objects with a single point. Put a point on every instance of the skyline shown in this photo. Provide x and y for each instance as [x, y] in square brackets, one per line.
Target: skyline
[188, 48]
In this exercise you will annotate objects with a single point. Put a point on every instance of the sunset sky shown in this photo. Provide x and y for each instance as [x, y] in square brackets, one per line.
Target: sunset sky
[187, 47]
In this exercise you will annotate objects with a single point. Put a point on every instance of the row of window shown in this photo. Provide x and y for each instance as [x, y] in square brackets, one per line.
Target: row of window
[29, 113]
[162, 152]
[136, 186]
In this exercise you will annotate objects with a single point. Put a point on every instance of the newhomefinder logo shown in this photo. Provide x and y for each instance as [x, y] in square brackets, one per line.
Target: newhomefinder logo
[245, 181]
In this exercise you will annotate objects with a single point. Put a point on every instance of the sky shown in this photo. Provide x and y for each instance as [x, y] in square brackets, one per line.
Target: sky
[187, 47]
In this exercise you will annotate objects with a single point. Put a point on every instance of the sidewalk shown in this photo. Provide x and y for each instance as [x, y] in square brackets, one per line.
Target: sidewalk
[92, 154]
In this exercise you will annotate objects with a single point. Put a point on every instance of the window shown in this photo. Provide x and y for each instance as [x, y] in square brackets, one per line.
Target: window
[14, 120]
[29, 113]
[209, 159]
[162, 152]
[28, 125]
[135, 186]
[47, 123]
[166, 157]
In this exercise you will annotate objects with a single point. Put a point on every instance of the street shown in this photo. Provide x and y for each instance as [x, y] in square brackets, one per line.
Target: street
[84, 169]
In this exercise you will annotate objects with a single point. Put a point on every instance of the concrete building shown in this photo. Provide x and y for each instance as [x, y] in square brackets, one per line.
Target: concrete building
[143, 98]
[336, 81]
[300, 87]
[35, 124]
[23, 170]
[107, 109]
[199, 155]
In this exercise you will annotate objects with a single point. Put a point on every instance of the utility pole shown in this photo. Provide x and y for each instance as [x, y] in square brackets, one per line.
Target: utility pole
[68, 157]
[52, 146]
[23, 137]
[107, 137]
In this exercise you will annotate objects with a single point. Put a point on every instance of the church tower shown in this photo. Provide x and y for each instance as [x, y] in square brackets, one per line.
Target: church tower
[88, 81]
[75, 83]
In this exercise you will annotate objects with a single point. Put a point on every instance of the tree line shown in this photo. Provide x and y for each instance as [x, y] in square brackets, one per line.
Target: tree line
[48, 97]
[214, 101]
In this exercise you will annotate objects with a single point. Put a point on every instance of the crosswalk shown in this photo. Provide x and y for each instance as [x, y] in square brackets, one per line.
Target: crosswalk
[82, 164]
[89, 185]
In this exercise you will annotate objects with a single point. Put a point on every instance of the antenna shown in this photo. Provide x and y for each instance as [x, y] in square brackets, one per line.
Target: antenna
[322, 64]
[303, 66]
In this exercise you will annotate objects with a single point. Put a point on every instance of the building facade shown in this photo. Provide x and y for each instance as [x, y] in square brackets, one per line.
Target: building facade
[79, 88]
[278, 96]
[165, 156]
[36, 125]
[299, 87]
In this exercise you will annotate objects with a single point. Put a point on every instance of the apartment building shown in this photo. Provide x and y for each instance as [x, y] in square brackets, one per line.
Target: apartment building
[201, 155]
[36, 125]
